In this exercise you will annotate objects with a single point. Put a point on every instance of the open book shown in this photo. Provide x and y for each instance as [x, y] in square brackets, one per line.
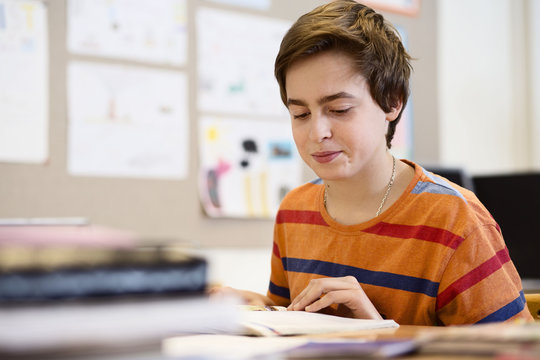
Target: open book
[230, 347]
[269, 325]
[276, 321]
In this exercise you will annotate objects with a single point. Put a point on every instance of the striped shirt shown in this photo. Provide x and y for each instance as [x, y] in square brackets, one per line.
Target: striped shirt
[435, 257]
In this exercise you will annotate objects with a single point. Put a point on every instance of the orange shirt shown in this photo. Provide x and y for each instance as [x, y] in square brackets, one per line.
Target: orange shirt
[435, 257]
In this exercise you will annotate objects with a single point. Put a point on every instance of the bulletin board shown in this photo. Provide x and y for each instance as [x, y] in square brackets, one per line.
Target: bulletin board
[125, 113]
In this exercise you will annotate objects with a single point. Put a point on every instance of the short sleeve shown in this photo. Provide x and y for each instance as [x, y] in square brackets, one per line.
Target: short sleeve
[480, 283]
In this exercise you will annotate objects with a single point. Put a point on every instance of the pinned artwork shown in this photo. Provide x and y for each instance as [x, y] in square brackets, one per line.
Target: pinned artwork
[140, 30]
[402, 143]
[246, 166]
[235, 62]
[24, 79]
[127, 121]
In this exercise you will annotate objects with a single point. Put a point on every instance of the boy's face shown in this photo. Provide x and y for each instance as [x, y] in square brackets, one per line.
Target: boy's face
[338, 128]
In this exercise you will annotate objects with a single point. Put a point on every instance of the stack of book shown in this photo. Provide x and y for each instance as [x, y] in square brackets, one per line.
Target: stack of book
[86, 287]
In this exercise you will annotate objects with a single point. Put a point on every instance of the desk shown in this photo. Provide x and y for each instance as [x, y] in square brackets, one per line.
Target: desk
[153, 352]
[413, 332]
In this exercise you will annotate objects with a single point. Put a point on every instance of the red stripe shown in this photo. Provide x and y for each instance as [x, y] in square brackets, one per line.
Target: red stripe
[275, 250]
[473, 277]
[300, 217]
[420, 232]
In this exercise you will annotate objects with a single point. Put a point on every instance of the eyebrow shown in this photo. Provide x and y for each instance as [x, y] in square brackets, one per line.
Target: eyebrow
[322, 100]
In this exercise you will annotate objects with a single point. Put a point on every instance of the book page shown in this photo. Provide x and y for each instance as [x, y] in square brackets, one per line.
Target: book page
[276, 323]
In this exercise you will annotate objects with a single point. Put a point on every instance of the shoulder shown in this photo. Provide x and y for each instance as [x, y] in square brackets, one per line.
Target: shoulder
[437, 199]
[427, 182]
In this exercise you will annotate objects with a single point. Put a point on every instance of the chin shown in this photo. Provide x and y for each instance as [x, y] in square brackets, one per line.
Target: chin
[328, 175]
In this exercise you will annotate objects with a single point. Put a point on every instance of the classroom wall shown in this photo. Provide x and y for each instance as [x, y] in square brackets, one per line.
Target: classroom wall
[159, 209]
[487, 88]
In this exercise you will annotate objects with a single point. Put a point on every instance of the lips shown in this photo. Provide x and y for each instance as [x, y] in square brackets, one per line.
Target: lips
[325, 156]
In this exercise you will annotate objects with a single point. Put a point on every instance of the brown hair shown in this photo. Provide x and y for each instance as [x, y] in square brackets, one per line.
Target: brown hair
[358, 31]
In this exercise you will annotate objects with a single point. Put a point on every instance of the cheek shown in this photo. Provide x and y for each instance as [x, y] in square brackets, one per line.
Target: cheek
[299, 135]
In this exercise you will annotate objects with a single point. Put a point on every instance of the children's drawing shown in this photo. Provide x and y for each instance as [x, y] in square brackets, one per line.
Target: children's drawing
[149, 31]
[127, 121]
[246, 166]
[24, 84]
[235, 62]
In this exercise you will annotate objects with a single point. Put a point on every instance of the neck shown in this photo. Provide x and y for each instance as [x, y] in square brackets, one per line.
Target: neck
[356, 200]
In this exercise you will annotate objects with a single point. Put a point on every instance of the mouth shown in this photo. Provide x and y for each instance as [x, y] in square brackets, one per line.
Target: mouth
[325, 156]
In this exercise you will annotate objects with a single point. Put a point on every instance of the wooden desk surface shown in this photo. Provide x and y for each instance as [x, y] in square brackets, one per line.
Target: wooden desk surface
[411, 332]
[403, 332]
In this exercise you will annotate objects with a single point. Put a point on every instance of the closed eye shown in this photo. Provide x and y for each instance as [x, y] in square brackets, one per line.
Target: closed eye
[301, 116]
[340, 111]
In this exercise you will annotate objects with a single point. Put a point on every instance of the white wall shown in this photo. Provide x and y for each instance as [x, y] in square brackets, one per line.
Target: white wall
[241, 268]
[534, 66]
[483, 88]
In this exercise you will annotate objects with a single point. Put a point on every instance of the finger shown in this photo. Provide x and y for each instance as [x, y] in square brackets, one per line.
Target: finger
[345, 297]
[318, 287]
[219, 290]
[302, 294]
[299, 298]
[355, 300]
[310, 294]
[320, 304]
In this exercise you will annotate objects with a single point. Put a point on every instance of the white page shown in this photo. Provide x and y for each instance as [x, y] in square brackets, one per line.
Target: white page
[283, 347]
[246, 166]
[150, 31]
[228, 346]
[272, 323]
[127, 121]
[24, 110]
[235, 61]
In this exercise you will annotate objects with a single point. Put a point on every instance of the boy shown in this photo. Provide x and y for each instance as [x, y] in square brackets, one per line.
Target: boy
[374, 237]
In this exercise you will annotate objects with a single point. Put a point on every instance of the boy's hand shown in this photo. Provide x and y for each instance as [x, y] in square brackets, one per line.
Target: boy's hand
[321, 293]
[245, 296]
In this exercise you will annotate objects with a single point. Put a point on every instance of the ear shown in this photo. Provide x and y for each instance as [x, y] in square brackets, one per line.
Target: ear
[393, 114]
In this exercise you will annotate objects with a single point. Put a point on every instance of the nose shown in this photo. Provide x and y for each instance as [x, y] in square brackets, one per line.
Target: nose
[320, 128]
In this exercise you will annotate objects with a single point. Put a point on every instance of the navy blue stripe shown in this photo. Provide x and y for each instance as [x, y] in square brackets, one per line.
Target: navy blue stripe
[507, 311]
[378, 278]
[279, 290]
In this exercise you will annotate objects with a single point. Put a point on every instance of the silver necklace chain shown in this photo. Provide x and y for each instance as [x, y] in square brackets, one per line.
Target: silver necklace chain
[390, 183]
[388, 188]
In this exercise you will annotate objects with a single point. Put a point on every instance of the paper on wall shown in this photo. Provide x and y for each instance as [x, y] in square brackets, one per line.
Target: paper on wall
[236, 54]
[127, 121]
[246, 166]
[254, 4]
[24, 110]
[150, 31]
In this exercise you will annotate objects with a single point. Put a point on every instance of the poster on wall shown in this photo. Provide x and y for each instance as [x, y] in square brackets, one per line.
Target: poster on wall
[235, 61]
[402, 144]
[140, 30]
[253, 4]
[403, 7]
[127, 121]
[246, 166]
[24, 65]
